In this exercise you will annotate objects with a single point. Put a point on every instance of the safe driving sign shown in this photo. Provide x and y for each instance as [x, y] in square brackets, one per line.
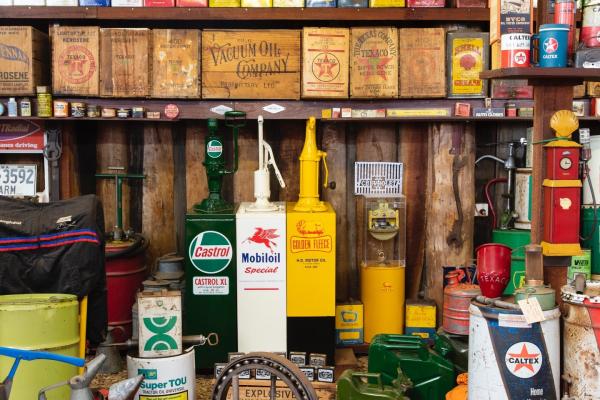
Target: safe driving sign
[210, 252]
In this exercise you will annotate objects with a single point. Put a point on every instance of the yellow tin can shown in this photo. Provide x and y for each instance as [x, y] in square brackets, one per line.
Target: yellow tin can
[382, 293]
[420, 318]
[349, 328]
[387, 3]
[310, 262]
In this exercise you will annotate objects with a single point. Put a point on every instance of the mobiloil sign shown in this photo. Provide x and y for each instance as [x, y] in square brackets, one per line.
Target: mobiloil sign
[311, 258]
[210, 299]
[261, 259]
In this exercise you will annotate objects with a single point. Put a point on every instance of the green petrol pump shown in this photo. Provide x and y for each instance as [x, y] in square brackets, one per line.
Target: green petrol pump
[210, 268]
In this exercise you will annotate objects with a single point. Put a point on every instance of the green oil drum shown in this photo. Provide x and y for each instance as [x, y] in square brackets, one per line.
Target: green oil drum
[593, 242]
[516, 239]
[48, 322]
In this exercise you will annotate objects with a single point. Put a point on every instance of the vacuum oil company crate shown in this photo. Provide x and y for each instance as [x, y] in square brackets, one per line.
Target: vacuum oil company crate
[125, 64]
[422, 62]
[374, 62]
[23, 60]
[467, 56]
[325, 56]
[176, 63]
[75, 60]
[251, 64]
[159, 316]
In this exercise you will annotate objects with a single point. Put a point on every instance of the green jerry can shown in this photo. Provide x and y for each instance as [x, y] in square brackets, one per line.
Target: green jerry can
[431, 374]
[453, 347]
[352, 385]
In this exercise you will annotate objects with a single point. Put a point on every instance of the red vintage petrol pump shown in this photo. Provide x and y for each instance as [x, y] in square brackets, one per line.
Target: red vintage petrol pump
[562, 189]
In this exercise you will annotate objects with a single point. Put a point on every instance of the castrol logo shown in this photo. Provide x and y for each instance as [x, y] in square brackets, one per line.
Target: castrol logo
[524, 359]
[210, 252]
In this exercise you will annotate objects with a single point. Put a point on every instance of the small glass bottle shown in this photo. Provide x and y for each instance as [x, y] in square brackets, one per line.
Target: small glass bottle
[12, 107]
[25, 107]
[44, 100]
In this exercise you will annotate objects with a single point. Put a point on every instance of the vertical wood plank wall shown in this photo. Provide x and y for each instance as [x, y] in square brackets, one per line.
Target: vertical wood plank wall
[171, 156]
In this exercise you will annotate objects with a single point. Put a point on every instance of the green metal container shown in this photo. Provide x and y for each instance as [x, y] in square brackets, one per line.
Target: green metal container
[545, 295]
[453, 347]
[593, 242]
[516, 239]
[211, 287]
[47, 322]
[352, 385]
[432, 374]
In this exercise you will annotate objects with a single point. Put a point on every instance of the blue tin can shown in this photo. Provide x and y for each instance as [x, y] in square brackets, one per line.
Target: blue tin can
[552, 46]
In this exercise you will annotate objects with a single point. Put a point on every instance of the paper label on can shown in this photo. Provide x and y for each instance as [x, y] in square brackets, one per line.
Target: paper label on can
[175, 396]
[524, 359]
[210, 252]
[467, 63]
[512, 321]
[211, 285]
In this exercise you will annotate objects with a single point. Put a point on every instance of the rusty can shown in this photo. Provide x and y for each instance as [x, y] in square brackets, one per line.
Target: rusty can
[457, 299]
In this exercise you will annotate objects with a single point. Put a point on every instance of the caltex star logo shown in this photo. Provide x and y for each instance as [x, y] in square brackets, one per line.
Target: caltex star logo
[520, 58]
[326, 67]
[524, 359]
[375, 65]
[550, 45]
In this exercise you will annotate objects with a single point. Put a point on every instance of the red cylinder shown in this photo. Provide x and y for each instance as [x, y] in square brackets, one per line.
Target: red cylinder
[457, 299]
[590, 27]
[514, 49]
[493, 268]
[124, 276]
[564, 13]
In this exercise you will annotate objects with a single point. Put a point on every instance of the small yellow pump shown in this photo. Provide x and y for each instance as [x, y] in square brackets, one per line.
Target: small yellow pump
[309, 171]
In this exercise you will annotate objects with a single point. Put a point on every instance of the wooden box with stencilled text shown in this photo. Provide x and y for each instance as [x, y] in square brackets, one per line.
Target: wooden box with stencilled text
[23, 60]
[374, 62]
[251, 64]
[253, 389]
[75, 60]
[125, 55]
[422, 62]
[176, 63]
[325, 59]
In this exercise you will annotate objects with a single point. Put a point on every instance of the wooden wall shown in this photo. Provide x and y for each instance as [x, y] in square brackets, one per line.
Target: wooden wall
[171, 155]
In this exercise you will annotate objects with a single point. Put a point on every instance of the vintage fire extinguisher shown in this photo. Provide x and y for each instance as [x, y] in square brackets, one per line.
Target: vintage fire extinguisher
[562, 189]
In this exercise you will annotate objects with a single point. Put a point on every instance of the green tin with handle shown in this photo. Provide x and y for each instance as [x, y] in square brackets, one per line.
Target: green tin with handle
[352, 385]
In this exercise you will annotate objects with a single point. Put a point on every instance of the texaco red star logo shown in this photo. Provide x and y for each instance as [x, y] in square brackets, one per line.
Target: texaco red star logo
[375, 65]
[326, 67]
[520, 58]
[524, 359]
[550, 45]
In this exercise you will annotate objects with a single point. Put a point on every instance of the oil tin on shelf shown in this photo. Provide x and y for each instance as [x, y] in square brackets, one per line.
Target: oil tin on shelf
[466, 57]
[349, 324]
[581, 341]
[590, 28]
[510, 359]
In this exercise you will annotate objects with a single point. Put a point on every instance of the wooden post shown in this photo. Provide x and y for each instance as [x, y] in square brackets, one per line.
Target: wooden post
[195, 175]
[334, 143]
[112, 150]
[412, 151]
[158, 217]
[69, 164]
[449, 241]
[290, 145]
[243, 180]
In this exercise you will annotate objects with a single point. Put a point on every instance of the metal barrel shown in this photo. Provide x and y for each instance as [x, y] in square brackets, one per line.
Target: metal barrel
[48, 322]
[510, 359]
[581, 341]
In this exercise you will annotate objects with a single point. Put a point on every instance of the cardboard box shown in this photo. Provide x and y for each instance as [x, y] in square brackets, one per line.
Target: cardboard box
[422, 62]
[23, 60]
[127, 3]
[75, 60]
[288, 3]
[254, 389]
[467, 56]
[511, 89]
[579, 91]
[353, 3]
[6, 3]
[374, 62]
[321, 3]
[349, 328]
[192, 3]
[159, 322]
[387, 3]
[94, 3]
[425, 3]
[224, 3]
[593, 89]
[125, 62]
[251, 64]
[325, 57]
[29, 2]
[62, 3]
[469, 3]
[159, 3]
[310, 263]
[176, 63]
[506, 16]
[257, 3]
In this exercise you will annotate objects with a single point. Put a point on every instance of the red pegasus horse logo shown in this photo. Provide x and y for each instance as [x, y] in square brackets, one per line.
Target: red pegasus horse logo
[263, 236]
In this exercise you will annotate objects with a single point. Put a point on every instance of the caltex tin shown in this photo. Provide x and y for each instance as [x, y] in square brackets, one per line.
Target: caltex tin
[510, 359]
[590, 28]
[515, 49]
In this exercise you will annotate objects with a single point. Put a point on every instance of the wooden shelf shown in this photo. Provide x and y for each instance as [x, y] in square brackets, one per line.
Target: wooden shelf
[245, 14]
[548, 76]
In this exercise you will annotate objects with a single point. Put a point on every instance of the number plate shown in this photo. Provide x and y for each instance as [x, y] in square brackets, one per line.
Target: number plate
[18, 180]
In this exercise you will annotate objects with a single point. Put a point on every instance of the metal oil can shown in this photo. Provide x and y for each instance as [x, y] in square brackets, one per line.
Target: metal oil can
[545, 295]
[353, 385]
[466, 57]
[457, 299]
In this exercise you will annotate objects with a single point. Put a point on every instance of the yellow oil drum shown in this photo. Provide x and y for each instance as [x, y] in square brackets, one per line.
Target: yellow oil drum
[48, 322]
[382, 293]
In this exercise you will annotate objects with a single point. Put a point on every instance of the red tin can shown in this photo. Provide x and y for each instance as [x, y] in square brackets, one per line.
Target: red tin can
[590, 27]
[564, 13]
[457, 299]
[493, 268]
[515, 48]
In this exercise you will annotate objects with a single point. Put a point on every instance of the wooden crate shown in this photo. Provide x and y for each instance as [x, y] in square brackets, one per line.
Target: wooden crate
[593, 89]
[251, 64]
[325, 57]
[75, 60]
[422, 62]
[125, 64]
[176, 63]
[374, 62]
[253, 389]
[23, 60]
